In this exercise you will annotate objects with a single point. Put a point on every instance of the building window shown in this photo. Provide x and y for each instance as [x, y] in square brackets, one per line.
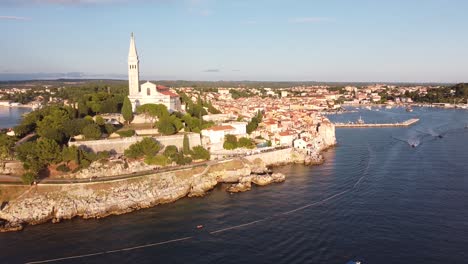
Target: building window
[148, 91]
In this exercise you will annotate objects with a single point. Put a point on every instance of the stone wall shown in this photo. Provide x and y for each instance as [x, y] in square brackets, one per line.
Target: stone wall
[119, 145]
[11, 167]
[274, 157]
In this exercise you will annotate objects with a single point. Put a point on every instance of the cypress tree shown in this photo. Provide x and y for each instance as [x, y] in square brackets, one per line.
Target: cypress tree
[186, 146]
[127, 112]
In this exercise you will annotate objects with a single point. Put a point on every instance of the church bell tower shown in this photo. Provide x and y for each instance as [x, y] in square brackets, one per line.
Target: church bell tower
[133, 69]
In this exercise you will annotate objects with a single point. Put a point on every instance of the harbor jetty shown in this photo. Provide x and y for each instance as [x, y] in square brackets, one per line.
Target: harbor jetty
[406, 123]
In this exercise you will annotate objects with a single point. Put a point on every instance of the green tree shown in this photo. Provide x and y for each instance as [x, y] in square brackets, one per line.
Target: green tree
[199, 152]
[146, 147]
[246, 143]
[100, 121]
[186, 144]
[92, 131]
[127, 112]
[230, 142]
[171, 151]
[48, 151]
[166, 127]
[7, 145]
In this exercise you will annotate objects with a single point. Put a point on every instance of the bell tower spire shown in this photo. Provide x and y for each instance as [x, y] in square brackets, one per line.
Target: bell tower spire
[133, 69]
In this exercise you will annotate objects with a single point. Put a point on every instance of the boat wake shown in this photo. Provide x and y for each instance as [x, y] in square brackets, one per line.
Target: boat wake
[226, 229]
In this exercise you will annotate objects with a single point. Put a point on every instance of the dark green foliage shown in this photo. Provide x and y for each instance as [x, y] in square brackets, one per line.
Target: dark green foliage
[126, 133]
[180, 159]
[199, 152]
[186, 144]
[99, 120]
[109, 129]
[28, 177]
[230, 142]
[75, 127]
[166, 127]
[246, 143]
[37, 155]
[63, 168]
[70, 154]
[146, 147]
[7, 145]
[127, 112]
[171, 151]
[92, 131]
[253, 124]
[153, 110]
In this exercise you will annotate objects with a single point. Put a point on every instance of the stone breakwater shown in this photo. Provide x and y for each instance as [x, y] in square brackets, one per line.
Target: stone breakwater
[56, 202]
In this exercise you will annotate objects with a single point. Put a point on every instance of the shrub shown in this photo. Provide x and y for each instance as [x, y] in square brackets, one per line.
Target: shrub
[165, 127]
[102, 155]
[28, 177]
[146, 147]
[126, 133]
[230, 142]
[171, 151]
[109, 129]
[180, 159]
[199, 152]
[246, 143]
[92, 131]
[100, 121]
[63, 168]
[159, 160]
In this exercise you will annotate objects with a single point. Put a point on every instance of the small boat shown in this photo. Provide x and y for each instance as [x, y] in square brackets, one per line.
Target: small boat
[199, 226]
[360, 121]
[409, 109]
[354, 262]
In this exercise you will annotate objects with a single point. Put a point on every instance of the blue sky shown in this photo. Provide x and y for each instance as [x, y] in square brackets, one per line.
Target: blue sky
[295, 40]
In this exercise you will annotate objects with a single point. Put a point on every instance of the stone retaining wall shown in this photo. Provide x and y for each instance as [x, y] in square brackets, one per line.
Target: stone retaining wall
[119, 145]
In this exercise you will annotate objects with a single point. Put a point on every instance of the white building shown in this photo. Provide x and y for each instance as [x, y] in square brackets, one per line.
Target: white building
[240, 128]
[147, 93]
[216, 134]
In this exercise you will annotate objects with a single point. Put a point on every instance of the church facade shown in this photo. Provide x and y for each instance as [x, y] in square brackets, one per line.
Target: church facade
[147, 93]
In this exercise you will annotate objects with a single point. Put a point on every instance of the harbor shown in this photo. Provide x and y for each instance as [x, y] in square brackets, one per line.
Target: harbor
[360, 123]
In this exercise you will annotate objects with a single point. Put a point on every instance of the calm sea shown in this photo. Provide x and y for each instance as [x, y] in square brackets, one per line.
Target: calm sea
[375, 199]
[11, 116]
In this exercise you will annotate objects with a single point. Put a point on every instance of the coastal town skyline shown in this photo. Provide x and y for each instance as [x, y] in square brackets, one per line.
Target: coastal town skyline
[207, 40]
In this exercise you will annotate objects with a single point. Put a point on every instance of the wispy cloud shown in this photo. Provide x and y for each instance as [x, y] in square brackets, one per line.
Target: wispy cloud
[14, 18]
[212, 70]
[304, 20]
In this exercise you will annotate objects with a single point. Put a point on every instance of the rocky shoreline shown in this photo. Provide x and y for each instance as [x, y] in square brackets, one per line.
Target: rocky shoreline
[56, 202]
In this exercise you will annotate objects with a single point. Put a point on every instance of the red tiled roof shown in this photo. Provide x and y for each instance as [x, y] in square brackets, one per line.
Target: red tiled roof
[171, 94]
[219, 128]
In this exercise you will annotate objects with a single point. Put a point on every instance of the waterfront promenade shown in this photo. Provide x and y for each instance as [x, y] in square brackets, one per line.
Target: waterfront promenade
[406, 123]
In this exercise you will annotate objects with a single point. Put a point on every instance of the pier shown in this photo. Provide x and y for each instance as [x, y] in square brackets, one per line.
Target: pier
[406, 123]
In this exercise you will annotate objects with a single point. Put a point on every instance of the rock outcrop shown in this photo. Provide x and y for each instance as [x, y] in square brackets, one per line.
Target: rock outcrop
[55, 202]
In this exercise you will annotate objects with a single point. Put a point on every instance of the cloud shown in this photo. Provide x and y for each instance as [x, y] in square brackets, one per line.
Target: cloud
[304, 20]
[14, 18]
[212, 70]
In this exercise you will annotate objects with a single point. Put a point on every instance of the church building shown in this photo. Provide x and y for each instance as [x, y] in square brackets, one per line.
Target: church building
[147, 93]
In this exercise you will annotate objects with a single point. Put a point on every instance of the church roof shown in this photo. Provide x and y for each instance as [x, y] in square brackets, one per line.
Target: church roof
[167, 92]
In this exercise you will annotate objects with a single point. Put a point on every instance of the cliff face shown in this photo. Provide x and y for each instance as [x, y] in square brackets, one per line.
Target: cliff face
[44, 203]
